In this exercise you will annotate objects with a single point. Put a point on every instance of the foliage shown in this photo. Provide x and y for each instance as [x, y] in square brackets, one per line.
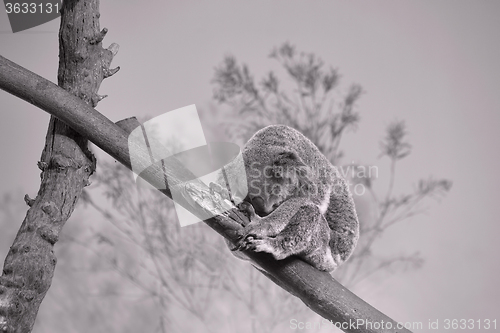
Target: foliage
[310, 107]
[180, 270]
[313, 105]
[388, 211]
[189, 268]
[188, 271]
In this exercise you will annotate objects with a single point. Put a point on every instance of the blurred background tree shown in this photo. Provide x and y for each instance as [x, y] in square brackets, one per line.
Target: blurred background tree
[143, 265]
[309, 101]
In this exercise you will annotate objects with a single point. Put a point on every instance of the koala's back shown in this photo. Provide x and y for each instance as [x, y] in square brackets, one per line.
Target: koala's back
[273, 138]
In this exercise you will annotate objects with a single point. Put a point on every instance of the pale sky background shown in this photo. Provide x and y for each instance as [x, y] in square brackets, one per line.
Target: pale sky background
[434, 64]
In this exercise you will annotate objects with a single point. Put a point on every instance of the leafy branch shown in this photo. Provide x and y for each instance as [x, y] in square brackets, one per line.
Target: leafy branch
[311, 106]
[310, 102]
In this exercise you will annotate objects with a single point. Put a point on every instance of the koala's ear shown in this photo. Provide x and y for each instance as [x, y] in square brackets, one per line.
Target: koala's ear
[290, 165]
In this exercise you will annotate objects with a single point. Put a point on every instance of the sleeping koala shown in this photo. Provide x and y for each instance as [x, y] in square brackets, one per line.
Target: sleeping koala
[297, 202]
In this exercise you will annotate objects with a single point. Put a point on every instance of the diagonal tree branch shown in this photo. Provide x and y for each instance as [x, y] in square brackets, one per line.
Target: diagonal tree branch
[318, 290]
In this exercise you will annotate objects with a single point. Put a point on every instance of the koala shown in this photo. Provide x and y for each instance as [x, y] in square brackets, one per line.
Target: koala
[297, 202]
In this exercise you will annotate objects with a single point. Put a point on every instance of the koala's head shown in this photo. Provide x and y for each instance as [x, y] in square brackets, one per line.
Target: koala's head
[275, 175]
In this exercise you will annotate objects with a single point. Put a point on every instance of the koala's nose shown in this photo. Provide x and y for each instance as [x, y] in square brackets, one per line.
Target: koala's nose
[258, 203]
[260, 206]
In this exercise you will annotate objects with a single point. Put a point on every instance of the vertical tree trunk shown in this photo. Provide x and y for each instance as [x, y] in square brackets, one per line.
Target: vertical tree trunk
[66, 165]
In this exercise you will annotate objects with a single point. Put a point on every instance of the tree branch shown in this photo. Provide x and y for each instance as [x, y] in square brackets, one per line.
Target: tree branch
[318, 290]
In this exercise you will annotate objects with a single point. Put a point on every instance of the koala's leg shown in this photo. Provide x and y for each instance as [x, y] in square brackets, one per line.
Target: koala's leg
[305, 234]
[274, 223]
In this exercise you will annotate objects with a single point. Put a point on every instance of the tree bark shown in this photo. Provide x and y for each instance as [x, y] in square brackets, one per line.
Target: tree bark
[316, 289]
[66, 165]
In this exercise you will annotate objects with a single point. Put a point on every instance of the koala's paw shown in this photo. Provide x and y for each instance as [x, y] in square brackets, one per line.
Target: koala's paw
[253, 243]
[248, 210]
[266, 244]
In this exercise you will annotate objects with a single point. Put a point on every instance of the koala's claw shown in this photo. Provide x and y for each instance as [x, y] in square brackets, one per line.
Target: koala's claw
[243, 243]
[253, 243]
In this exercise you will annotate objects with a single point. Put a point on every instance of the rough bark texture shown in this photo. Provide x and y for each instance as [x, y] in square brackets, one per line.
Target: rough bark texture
[317, 289]
[66, 165]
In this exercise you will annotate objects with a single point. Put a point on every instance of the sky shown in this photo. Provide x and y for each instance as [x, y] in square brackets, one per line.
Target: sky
[433, 64]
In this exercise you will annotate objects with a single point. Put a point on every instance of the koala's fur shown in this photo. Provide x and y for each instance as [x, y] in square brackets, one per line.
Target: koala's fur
[297, 201]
